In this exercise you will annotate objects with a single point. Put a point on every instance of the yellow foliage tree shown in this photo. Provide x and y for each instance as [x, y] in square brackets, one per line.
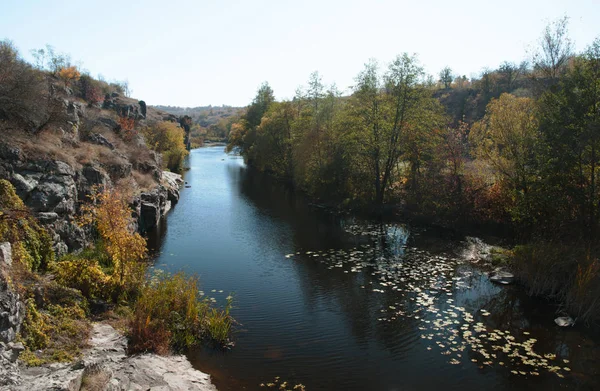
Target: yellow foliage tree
[168, 139]
[69, 74]
[125, 247]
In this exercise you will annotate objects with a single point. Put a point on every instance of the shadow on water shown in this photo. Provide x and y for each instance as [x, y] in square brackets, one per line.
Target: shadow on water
[336, 302]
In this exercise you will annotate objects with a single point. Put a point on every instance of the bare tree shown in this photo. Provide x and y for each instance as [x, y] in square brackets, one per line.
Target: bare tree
[555, 49]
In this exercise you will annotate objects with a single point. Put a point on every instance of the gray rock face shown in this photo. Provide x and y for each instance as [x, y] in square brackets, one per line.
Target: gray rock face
[5, 254]
[172, 183]
[11, 312]
[111, 369]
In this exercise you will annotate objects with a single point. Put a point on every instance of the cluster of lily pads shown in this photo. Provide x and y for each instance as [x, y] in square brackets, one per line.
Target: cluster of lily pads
[426, 284]
[282, 385]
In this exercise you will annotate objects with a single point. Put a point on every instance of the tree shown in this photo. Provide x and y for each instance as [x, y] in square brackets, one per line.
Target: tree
[386, 109]
[509, 72]
[446, 77]
[168, 139]
[551, 58]
[111, 215]
[507, 138]
[570, 125]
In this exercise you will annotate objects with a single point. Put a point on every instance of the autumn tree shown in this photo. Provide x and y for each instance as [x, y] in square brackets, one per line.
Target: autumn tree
[111, 216]
[507, 138]
[390, 110]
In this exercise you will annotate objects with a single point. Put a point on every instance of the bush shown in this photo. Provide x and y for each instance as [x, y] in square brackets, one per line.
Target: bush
[22, 89]
[32, 245]
[169, 314]
[84, 275]
[168, 139]
[61, 331]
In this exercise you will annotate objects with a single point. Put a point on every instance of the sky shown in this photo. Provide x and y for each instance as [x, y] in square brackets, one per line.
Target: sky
[199, 53]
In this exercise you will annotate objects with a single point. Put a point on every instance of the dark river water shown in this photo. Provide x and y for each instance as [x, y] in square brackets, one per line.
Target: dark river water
[337, 303]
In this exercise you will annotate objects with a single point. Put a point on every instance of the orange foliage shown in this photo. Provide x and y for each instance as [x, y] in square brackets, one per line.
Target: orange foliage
[69, 74]
[128, 131]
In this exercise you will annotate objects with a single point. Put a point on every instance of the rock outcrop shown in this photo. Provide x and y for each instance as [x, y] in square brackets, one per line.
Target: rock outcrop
[53, 190]
[12, 312]
[107, 366]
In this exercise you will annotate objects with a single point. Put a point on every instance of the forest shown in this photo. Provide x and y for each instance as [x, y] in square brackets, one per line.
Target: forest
[516, 150]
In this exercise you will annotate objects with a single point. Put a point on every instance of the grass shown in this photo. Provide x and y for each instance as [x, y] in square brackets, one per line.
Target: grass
[569, 274]
[169, 314]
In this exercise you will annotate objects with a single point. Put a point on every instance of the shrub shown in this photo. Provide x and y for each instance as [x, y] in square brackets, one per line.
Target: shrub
[84, 275]
[61, 331]
[169, 314]
[22, 89]
[69, 75]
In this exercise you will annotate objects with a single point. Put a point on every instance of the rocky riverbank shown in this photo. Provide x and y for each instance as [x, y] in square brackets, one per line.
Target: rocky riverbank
[106, 366]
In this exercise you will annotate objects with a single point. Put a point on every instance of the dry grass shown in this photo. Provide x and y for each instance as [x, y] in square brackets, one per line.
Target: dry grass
[570, 274]
[145, 181]
[94, 379]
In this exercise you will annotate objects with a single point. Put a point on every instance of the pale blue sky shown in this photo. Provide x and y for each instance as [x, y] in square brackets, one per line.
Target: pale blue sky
[192, 53]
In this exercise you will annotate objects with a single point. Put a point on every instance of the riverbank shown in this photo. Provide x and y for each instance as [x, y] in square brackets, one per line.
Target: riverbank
[107, 366]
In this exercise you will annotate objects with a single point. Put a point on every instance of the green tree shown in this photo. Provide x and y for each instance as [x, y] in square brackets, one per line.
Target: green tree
[388, 110]
[570, 124]
[446, 77]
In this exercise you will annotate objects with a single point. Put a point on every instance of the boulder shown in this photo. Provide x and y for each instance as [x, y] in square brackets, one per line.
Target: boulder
[47, 217]
[111, 368]
[12, 312]
[149, 215]
[97, 138]
[23, 184]
[108, 122]
[47, 195]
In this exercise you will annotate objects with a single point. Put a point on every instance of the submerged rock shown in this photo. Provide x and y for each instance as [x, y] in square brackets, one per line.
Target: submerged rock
[501, 276]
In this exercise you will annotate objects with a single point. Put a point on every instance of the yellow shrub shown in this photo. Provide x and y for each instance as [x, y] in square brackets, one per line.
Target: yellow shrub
[84, 275]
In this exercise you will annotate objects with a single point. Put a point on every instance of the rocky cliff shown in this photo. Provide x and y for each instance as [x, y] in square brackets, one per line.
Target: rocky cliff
[55, 170]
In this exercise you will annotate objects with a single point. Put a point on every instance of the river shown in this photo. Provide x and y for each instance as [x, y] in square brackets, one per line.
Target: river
[339, 303]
